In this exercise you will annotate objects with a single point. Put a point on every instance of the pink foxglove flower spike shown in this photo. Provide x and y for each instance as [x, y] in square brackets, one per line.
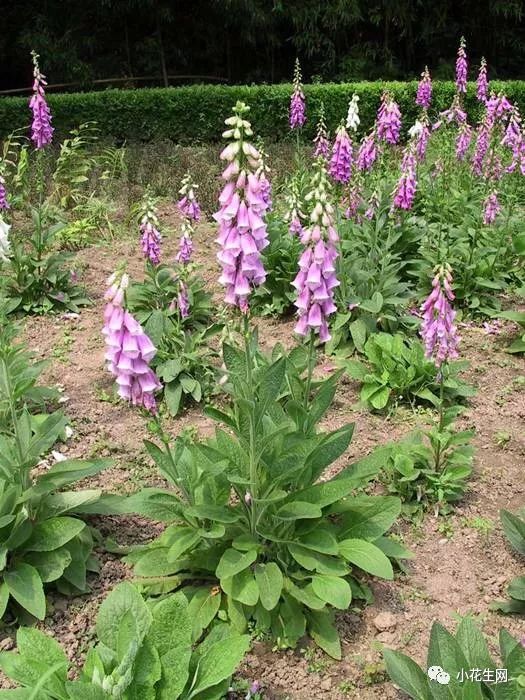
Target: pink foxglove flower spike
[41, 129]
[388, 120]
[316, 279]
[461, 67]
[149, 231]
[438, 329]
[322, 145]
[242, 229]
[482, 84]
[4, 204]
[129, 350]
[297, 101]
[341, 161]
[424, 90]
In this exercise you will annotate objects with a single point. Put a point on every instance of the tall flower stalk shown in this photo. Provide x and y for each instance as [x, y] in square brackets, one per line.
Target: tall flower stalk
[321, 143]
[190, 209]
[41, 129]
[352, 118]
[407, 184]
[424, 90]
[461, 67]
[150, 237]
[482, 84]
[316, 280]
[4, 204]
[388, 120]
[341, 161]
[242, 229]
[129, 350]
[297, 100]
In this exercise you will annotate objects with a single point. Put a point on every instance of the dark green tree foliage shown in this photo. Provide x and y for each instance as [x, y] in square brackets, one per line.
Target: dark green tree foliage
[255, 40]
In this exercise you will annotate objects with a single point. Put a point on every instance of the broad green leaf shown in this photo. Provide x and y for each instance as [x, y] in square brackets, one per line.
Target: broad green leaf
[175, 672]
[123, 598]
[367, 517]
[270, 582]
[473, 644]
[184, 539]
[242, 587]
[219, 662]
[299, 510]
[202, 609]
[329, 449]
[233, 561]
[514, 528]
[54, 533]
[25, 586]
[321, 627]
[171, 624]
[407, 675]
[366, 556]
[333, 590]
[50, 565]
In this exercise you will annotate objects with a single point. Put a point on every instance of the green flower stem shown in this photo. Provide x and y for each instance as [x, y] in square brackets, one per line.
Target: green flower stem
[254, 490]
[442, 369]
[311, 351]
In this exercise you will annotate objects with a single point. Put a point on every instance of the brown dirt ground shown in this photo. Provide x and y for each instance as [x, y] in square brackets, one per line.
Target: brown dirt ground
[457, 569]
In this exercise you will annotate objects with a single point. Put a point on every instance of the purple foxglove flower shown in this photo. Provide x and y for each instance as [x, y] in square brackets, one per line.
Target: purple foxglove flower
[341, 161]
[295, 226]
[322, 145]
[188, 205]
[262, 173]
[185, 249]
[482, 145]
[316, 279]
[453, 114]
[438, 329]
[353, 202]
[4, 204]
[297, 101]
[367, 153]
[183, 302]
[482, 85]
[41, 129]
[242, 229]
[293, 213]
[373, 205]
[424, 90]
[150, 240]
[388, 120]
[420, 134]
[461, 67]
[491, 209]
[463, 141]
[498, 106]
[407, 184]
[513, 135]
[129, 350]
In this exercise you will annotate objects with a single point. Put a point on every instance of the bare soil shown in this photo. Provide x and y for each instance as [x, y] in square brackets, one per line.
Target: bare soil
[457, 569]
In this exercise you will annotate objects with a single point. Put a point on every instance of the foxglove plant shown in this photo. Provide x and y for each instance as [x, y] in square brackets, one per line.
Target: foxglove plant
[41, 129]
[4, 204]
[341, 161]
[455, 113]
[316, 279]
[407, 184]
[188, 205]
[149, 230]
[482, 145]
[491, 208]
[463, 141]
[461, 67]
[482, 85]
[420, 134]
[297, 100]
[438, 330]
[367, 154]
[498, 106]
[262, 174]
[129, 350]
[352, 118]
[424, 90]
[388, 120]
[322, 145]
[293, 213]
[242, 229]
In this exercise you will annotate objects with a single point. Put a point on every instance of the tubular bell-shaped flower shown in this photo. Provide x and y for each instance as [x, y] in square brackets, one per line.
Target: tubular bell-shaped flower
[341, 161]
[424, 90]
[188, 205]
[491, 208]
[461, 67]
[293, 213]
[262, 174]
[322, 145]
[454, 113]
[367, 154]
[407, 184]
[463, 140]
[352, 118]
[316, 279]
[4, 204]
[149, 230]
[482, 84]
[388, 120]
[438, 330]
[420, 134]
[482, 145]
[242, 229]
[129, 350]
[41, 129]
[297, 100]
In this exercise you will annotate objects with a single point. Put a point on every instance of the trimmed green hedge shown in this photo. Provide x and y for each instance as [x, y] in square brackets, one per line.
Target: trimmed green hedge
[196, 113]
